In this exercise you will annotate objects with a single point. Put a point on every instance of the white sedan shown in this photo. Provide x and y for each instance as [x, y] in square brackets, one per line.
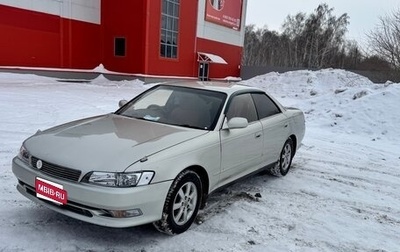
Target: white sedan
[157, 158]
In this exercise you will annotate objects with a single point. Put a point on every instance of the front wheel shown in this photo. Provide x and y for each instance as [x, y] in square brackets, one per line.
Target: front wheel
[182, 204]
[285, 160]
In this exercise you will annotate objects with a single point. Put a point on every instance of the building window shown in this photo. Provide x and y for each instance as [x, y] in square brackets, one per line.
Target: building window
[119, 47]
[169, 28]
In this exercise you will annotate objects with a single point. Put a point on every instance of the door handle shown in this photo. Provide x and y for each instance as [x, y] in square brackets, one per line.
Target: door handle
[258, 135]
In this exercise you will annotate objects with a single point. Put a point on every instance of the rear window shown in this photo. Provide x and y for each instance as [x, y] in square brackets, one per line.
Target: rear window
[265, 106]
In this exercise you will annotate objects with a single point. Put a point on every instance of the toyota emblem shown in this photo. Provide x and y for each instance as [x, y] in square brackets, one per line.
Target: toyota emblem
[39, 164]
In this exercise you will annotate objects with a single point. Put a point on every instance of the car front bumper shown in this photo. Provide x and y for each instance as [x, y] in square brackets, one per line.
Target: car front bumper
[92, 203]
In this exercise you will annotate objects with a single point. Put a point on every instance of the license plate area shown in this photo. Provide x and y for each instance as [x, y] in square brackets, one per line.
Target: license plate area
[50, 191]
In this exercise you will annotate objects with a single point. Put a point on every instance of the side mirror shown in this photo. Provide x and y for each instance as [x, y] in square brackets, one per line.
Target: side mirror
[237, 123]
[122, 103]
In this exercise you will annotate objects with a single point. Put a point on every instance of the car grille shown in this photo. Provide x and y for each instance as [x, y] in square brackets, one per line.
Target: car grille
[56, 170]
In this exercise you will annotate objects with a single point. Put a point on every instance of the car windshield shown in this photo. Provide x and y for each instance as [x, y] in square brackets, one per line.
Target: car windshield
[182, 106]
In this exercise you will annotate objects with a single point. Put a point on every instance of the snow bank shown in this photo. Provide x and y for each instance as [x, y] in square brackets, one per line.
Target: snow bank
[341, 194]
[341, 101]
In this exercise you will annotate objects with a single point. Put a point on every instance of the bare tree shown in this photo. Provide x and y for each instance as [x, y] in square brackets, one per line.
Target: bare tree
[385, 39]
[251, 44]
[315, 39]
[307, 41]
[293, 28]
[353, 56]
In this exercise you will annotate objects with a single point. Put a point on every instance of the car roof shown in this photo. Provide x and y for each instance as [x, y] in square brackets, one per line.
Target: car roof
[219, 86]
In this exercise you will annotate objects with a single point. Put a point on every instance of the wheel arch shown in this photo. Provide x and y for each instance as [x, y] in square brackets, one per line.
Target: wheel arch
[294, 141]
[205, 182]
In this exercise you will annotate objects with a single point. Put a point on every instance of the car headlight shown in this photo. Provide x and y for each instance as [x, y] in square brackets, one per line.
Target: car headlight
[120, 179]
[24, 154]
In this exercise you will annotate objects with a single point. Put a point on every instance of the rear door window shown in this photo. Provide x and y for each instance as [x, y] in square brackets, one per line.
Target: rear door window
[265, 106]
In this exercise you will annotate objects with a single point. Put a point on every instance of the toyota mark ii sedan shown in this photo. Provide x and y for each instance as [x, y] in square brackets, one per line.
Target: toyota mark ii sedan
[158, 157]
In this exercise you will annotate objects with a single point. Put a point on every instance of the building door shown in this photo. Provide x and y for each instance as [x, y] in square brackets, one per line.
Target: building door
[203, 71]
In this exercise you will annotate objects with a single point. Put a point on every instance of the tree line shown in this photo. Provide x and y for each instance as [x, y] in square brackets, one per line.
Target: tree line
[318, 41]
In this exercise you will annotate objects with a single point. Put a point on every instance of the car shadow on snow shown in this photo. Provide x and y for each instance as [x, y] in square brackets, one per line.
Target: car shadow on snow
[36, 219]
[249, 189]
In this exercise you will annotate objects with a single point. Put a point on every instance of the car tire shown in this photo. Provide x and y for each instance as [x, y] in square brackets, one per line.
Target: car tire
[182, 204]
[285, 160]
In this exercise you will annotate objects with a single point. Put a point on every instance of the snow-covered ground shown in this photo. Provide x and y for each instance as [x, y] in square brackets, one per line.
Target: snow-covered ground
[342, 194]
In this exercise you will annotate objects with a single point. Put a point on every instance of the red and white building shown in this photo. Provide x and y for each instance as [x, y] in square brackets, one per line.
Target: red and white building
[185, 38]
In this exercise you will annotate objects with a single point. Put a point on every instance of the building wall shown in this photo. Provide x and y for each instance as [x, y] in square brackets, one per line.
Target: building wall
[230, 53]
[222, 41]
[79, 10]
[50, 33]
[211, 31]
[80, 34]
[186, 62]
[124, 20]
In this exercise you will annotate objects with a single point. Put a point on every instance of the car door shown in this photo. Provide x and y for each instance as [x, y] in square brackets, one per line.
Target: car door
[275, 127]
[241, 149]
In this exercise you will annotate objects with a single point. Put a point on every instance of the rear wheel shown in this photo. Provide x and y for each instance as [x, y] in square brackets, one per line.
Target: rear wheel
[285, 159]
[182, 204]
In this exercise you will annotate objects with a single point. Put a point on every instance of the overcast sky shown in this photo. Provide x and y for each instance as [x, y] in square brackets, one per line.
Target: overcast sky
[364, 14]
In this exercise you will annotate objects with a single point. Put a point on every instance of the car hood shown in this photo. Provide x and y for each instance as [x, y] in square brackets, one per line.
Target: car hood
[105, 143]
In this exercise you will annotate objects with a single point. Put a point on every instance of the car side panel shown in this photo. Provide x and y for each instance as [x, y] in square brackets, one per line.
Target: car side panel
[275, 132]
[203, 151]
[240, 150]
[297, 124]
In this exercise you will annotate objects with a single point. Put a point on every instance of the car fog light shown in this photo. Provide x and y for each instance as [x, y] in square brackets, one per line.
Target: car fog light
[125, 213]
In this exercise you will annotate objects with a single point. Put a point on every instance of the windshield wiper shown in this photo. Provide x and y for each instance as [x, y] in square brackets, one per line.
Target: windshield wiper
[191, 126]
